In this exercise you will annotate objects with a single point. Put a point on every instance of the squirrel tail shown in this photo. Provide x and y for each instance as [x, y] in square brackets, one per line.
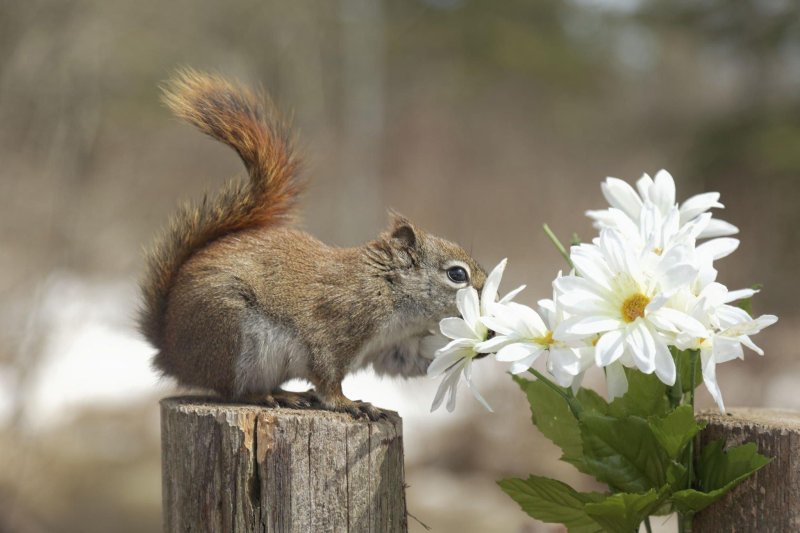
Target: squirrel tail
[247, 122]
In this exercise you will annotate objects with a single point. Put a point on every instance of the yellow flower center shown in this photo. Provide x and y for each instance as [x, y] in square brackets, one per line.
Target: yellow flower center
[633, 307]
[546, 340]
[658, 250]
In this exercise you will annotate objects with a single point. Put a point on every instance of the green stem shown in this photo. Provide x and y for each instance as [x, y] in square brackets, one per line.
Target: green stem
[690, 453]
[573, 404]
[685, 519]
[675, 393]
[558, 245]
[685, 523]
[647, 525]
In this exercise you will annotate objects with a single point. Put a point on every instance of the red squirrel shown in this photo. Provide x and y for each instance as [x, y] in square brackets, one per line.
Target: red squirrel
[238, 302]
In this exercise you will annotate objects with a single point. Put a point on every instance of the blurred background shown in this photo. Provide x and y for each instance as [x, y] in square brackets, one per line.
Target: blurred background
[479, 120]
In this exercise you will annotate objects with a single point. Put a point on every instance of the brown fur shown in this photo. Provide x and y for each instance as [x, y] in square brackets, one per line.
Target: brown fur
[239, 118]
[238, 303]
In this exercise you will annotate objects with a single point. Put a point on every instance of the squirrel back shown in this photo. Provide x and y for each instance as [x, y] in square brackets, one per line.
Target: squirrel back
[246, 122]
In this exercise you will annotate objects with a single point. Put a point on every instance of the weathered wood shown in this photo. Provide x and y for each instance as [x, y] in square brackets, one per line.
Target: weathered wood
[769, 500]
[232, 468]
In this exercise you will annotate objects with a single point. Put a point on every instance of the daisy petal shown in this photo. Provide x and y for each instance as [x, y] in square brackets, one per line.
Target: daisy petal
[494, 344]
[732, 296]
[616, 381]
[643, 185]
[718, 228]
[622, 196]
[709, 368]
[518, 367]
[456, 328]
[445, 360]
[579, 327]
[498, 325]
[609, 348]
[490, 286]
[662, 193]
[517, 351]
[679, 322]
[591, 265]
[726, 349]
[448, 385]
[698, 204]
[718, 248]
[665, 365]
[467, 303]
[643, 347]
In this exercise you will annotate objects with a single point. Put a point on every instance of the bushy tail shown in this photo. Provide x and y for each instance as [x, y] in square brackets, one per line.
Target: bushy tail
[247, 122]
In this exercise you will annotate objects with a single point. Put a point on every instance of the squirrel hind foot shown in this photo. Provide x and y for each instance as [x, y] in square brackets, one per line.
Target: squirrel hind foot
[284, 398]
[296, 400]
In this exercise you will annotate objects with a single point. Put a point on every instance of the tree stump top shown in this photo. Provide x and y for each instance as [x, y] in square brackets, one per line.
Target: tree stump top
[781, 419]
[204, 405]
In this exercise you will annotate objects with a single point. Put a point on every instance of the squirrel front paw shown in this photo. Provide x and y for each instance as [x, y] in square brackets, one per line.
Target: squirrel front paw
[357, 409]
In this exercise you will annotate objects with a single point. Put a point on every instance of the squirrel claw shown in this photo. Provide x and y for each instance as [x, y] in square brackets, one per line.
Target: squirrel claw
[295, 400]
[370, 411]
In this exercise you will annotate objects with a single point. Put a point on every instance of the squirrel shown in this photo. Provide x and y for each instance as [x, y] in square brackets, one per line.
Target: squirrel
[237, 302]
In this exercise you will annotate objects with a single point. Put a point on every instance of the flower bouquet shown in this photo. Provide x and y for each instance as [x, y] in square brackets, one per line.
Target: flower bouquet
[640, 301]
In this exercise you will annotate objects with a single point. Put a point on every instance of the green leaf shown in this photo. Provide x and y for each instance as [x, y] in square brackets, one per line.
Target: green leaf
[677, 475]
[646, 396]
[718, 468]
[718, 472]
[677, 478]
[623, 452]
[592, 402]
[551, 414]
[552, 501]
[675, 430]
[683, 365]
[692, 501]
[623, 512]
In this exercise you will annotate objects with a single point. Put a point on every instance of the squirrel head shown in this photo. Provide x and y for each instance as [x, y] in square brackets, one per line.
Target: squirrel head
[424, 272]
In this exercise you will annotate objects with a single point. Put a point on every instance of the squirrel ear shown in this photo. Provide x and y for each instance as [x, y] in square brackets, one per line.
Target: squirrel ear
[403, 231]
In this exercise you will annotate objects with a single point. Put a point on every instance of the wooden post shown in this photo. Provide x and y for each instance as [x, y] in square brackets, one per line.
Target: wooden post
[769, 500]
[232, 468]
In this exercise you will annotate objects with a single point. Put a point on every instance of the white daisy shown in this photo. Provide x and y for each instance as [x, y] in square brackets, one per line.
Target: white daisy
[660, 192]
[466, 333]
[522, 335]
[727, 328]
[622, 298]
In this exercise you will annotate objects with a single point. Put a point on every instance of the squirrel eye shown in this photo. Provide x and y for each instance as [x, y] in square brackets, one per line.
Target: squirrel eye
[457, 274]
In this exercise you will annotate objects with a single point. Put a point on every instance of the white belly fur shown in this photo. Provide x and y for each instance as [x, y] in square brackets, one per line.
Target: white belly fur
[270, 356]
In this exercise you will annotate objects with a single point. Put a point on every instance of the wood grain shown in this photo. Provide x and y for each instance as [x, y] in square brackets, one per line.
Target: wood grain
[233, 467]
